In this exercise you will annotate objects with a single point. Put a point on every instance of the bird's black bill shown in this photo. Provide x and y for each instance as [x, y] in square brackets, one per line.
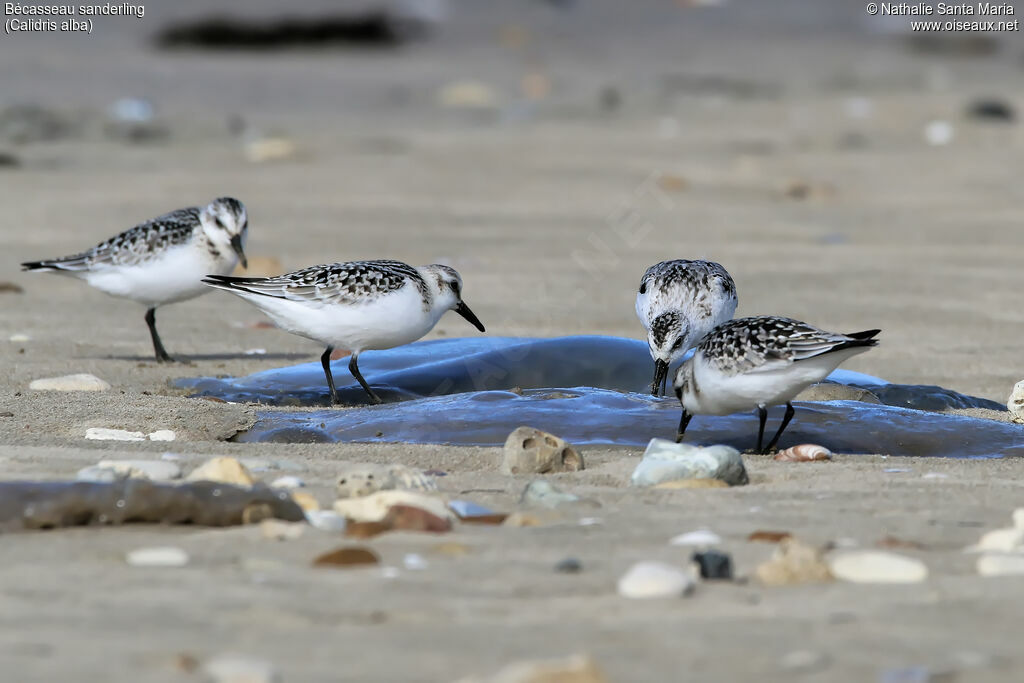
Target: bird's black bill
[463, 310]
[236, 244]
[660, 378]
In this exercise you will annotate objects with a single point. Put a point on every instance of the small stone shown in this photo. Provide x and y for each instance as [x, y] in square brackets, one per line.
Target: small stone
[165, 556]
[375, 507]
[362, 479]
[79, 382]
[999, 540]
[414, 562]
[701, 537]
[1015, 404]
[541, 493]
[223, 470]
[793, 563]
[287, 482]
[19, 338]
[667, 461]
[228, 668]
[938, 133]
[646, 580]
[676, 484]
[277, 530]
[306, 500]
[805, 452]
[496, 519]
[569, 565]
[409, 518]
[992, 109]
[714, 564]
[769, 536]
[104, 434]
[354, 556]
[154, 470]
[998, 564]
[531, 451]
[874, 566]
[162, 435]
[325, 520]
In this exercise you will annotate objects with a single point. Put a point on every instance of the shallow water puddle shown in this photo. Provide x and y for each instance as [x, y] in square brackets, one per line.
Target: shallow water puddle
[460, 391]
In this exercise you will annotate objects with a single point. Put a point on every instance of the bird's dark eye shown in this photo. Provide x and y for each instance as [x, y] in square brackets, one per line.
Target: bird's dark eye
[455, 287]
[643, 287]
[219, 222]
[678, 344]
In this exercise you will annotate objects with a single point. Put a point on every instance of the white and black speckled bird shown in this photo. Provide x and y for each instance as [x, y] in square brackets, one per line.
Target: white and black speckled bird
[163, 260]
[678, 303]
[356, 306]
[760, 362]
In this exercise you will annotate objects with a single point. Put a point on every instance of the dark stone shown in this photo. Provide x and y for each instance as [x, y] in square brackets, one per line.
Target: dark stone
[714, 564]
[569, 565]
[991, 109]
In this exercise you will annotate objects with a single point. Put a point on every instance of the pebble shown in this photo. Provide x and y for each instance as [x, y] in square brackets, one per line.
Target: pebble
[699, 537]
[531, 451]
[375, 507]
[362, 479]
[792, 563]
[465, 508]
[347, 557]
[261, 150]
[1015, 404]
[999, 540]
[714, 564]
[938, 133]
[164, 556]
[162, 435]
[875, 566]
[277, 530]
[223, 470]
[541, 493]
[99, 475]
[154, 470]
[19, 338]
[991, 109]
[326, 520]
[414, 562]
[79, 382]
[104, 434]
[998, 564]
[646, 580]
[287, 482]
[569, 565]
[667, 461]
[229, 668]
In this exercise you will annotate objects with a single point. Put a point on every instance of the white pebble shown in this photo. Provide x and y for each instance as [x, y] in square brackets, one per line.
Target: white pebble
[938, 133]
[325, 520]
[104, 434]
[699, 537]
[934, 475]
[591, 521]
[162, 435]
[19, 338]
[80, 382]
[646, 580]
[164, 556]
[995, 564]
[414, 562]
[1018, 518]
[287, 482]
[999, 540]
[229, 668]
[255, 352]
[873, 566]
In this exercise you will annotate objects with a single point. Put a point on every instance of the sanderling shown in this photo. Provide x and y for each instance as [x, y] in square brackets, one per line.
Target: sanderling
[760, 362]
[163, 260]
[356, 306]
[678, 303]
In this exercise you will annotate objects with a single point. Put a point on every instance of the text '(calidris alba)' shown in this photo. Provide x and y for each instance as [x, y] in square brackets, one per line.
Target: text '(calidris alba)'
[357, 306]
[163, 260]
[759, 362]
[678, 303]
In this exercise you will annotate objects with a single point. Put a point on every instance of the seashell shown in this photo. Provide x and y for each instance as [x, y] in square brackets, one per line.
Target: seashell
[805, 452]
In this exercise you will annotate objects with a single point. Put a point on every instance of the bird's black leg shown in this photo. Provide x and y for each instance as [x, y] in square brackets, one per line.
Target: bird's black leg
[353, 367]
[684, 420]
[785, 421]
[158, 347]
[325, 360]
[762, 412]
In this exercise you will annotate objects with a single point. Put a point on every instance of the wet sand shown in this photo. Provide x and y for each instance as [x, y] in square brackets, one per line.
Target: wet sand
[550, 210]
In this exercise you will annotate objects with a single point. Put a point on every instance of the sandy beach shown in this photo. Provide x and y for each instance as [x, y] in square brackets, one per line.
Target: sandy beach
[550, 156]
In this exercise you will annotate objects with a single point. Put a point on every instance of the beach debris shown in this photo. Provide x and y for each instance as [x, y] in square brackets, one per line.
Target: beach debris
[540, 493]
[468, 95]
[357, 480]
[414, 562]
[276, 530]
[465, 508]
[289, 482]
[713, 564]
[793, 562]
[569, 565]
[326, 520]
[700, 537]
[1001, 564]
[805, 452]
[232, 668]
[876, 566]
[80, 382]
[223, 469]
[352, 556]
[531, 451]
[376, 506]
[104, 434]
[1015, 404]
[645, 580]
[153, 470]
[665, 461]
[764, 536]
[19, 338]
[938, 133]
[992, 109]
[161, 556]
[579, 668]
